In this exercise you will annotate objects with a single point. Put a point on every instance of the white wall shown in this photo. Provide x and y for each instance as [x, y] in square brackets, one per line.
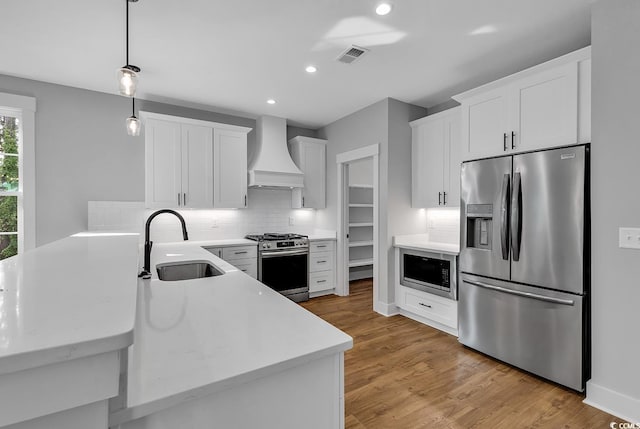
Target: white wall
[615, 382]
[84, 154]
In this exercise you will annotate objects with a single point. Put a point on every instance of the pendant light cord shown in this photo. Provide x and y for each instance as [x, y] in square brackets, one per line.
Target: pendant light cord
[133, 106]
[127, 31]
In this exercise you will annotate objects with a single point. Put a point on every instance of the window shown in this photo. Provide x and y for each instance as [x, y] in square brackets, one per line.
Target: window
[17, 174]
[10, 189]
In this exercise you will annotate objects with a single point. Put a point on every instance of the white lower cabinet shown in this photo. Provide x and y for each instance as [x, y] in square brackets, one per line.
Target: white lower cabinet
[321, 267]
[244, 258]
[434, 308]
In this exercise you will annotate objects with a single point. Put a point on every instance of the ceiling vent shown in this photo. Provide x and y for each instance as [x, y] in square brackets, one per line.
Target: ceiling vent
[351, 54]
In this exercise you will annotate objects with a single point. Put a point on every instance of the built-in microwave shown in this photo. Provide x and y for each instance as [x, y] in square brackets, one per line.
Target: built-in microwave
[431, 272]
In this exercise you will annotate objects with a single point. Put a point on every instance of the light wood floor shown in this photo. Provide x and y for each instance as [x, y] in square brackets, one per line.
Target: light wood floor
[402, 374]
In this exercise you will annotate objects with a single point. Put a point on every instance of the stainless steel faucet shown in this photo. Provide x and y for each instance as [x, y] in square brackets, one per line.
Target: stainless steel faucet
[146, 269]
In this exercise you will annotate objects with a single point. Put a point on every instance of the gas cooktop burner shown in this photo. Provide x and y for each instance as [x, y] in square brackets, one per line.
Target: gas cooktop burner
[272, 236]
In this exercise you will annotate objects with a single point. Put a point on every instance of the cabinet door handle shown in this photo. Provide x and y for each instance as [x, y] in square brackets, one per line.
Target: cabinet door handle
[439, 198]
[424, 305]
[178, 199]
[245, 200]
[444, 198]
[184, 199]
[513, 140]
[504, 142]
[302, 201]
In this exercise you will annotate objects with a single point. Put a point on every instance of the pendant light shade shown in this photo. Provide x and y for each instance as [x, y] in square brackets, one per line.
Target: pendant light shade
[133, 123]
[128, 74]
[133, 126]
[128, 80]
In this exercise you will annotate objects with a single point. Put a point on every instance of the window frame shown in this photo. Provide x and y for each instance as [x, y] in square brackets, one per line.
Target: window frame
[24, 108]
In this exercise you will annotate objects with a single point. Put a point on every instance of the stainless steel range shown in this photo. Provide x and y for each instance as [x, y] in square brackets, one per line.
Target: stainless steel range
[283, 263]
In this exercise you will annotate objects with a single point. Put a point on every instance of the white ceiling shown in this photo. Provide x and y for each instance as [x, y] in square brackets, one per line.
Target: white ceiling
[234, 55]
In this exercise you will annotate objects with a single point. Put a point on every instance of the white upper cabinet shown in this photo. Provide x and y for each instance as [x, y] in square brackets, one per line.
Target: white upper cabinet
[230, 167]
[197, 167]
[309, 155]
[541, 107]
[163, 164]
[435, 160]
[194, 164]
[485, 124]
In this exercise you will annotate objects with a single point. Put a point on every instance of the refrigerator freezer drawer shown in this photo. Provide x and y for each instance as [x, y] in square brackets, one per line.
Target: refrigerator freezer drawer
[533, 329]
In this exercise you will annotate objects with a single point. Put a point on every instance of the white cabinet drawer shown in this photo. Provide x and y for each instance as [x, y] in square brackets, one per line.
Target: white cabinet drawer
[239, 252]
[321, 246]
[321, 280]
[431, 307]
[321, 261]
[249, 267]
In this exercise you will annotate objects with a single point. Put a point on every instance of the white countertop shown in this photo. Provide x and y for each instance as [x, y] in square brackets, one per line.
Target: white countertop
[68, 299]
[221, 243]
[421, 242]
[196, 337]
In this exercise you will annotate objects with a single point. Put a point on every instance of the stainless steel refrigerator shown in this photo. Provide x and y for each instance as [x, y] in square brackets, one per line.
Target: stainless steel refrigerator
[524, 261]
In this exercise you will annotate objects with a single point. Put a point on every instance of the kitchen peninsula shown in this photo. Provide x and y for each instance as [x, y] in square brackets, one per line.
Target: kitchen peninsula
[224, 349]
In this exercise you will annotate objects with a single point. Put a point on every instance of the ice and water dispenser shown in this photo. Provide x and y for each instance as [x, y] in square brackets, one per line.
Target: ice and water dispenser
[479, 225]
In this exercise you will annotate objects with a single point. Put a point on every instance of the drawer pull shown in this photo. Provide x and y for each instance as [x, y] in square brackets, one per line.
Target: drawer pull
[323, 246]
[322, 262]
[424, 305]
[240, 253]
[321, 281]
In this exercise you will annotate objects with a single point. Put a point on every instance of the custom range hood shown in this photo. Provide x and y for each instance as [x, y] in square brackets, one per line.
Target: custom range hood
[272, 166]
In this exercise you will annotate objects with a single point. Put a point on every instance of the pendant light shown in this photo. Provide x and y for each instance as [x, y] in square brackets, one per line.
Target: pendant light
[133, 123]
[128, 74]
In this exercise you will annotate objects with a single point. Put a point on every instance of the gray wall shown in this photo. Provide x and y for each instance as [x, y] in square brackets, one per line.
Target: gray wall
[402, 219]
[84, 154]
[361, 172]
[615, 197]
[386, 123]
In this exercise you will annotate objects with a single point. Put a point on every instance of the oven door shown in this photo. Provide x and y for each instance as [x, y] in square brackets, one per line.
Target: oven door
[285, 271]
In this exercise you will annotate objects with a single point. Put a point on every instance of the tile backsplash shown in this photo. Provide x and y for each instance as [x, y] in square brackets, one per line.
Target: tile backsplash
[269, 211]
[443, 225]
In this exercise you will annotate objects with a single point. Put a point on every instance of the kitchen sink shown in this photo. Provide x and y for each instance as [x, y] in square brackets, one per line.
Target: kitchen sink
[187, 270]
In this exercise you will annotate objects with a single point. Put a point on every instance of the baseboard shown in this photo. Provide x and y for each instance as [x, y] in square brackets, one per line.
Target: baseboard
[620, 405]
[385, 309]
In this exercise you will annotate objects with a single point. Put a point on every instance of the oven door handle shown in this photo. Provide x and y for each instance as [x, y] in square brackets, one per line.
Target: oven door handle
[284, 253]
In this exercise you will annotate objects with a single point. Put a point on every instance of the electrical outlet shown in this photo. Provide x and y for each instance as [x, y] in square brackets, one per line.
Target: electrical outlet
[292, 221]
[629, 238]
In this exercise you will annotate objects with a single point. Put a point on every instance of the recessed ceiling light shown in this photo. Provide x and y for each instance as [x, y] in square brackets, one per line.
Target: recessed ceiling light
[383, 9]
[311, 69]
[271, 101]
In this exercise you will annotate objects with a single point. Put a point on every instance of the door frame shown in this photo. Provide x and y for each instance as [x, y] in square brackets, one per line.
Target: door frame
[343, 159]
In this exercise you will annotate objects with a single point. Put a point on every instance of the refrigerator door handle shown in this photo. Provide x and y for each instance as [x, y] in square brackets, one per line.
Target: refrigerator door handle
[504, 217]
[516, 217]
[523, 294]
